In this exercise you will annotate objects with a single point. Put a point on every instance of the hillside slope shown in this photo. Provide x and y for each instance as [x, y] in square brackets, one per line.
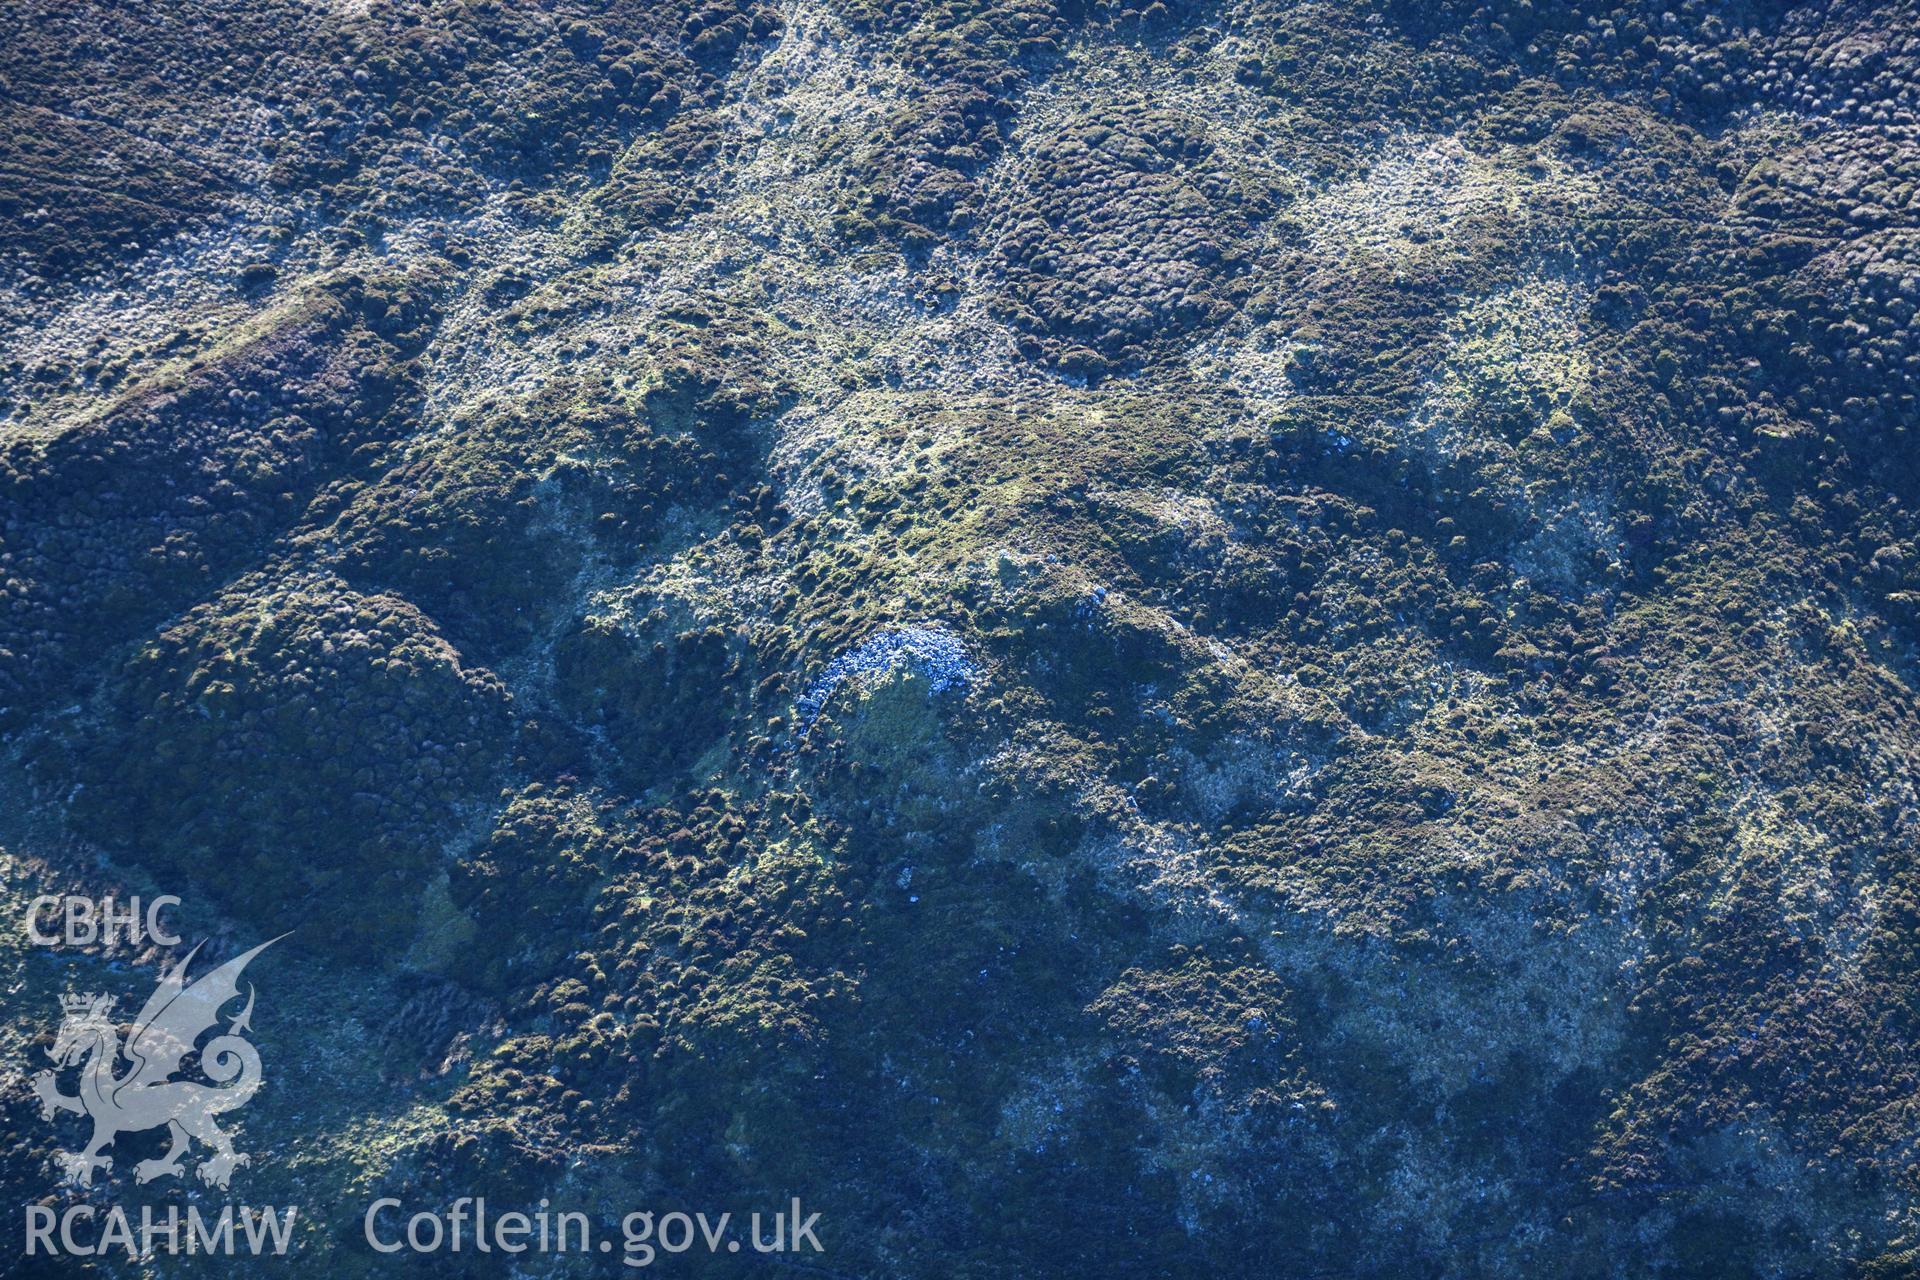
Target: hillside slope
[1236, 639]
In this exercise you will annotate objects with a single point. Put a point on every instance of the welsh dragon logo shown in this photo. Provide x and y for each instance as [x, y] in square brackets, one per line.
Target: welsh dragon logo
[144, 1095]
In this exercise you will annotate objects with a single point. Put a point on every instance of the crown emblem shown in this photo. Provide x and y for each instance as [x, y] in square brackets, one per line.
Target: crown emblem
[82, 1003]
